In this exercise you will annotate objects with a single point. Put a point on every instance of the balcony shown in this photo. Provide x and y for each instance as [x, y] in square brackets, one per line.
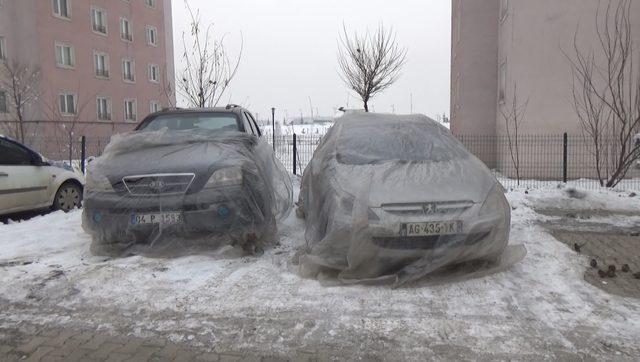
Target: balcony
[104, 116]
[126, 36]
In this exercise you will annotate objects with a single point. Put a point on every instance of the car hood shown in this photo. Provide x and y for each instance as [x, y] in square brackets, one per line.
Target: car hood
[199, 152]
[465, 179]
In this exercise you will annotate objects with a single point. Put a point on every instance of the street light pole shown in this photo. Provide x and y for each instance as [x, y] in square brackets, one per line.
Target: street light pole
[273, 126]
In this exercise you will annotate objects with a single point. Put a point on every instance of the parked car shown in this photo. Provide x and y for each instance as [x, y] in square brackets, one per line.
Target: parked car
[388, 196]
[186, 172]
[29, 182]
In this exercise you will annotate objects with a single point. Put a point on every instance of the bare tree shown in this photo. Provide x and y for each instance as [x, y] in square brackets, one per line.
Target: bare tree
[167, 89]
[370, 63]
[513, 114]
[208, 67]
[69, 125]
[22, 81]
[606, 93]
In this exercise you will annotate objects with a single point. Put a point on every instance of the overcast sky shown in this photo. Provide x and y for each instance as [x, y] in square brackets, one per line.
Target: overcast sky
[290, 51]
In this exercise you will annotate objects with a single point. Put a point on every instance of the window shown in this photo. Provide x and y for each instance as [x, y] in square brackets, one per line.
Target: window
[101, 64]
[150, 3]
[67, 103]
[12, 154]
[154, 106]
[153, 72]
[3, 102]
[65, 56]
[503, 82]
[103, 106]
[99, 20]
[130, 109]
[3, 47]
[62, 8]
[504, 9]
[128, 70]
[125, 29]
[181, 122]
[152, 35]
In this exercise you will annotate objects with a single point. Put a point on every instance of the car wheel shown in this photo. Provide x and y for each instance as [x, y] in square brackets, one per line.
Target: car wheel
[68, 197]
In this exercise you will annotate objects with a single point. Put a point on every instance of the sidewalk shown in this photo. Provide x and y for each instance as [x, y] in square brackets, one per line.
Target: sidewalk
[32, 343]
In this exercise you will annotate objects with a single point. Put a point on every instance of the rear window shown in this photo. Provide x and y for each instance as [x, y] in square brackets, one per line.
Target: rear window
[187, 121]
[363, 144]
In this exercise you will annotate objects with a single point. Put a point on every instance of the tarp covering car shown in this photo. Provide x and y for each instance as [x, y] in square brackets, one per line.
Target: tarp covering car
[181, 191]
[394, 198]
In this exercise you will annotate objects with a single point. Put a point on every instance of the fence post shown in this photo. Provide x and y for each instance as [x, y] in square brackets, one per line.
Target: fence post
[273, 127]
[83, 152]
[565, 142]
[295, 154]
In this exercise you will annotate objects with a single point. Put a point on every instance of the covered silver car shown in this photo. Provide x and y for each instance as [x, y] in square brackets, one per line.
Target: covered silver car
[389, 197]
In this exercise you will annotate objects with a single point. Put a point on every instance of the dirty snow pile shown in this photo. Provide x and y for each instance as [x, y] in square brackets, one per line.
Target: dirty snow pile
[538, 307]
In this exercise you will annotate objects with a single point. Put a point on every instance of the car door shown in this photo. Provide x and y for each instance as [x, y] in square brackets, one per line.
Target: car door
[23, 186]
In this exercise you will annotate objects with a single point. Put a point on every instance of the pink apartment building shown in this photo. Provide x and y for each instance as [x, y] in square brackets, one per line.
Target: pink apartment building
[104, 64]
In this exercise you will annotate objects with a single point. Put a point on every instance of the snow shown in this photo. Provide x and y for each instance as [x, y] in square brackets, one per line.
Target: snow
[537, 306]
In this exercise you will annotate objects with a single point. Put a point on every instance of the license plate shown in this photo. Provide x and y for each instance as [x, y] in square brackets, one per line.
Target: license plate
[431, 228]
[168, 218]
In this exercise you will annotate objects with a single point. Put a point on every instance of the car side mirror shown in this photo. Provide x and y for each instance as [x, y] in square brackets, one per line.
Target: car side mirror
[37, 160]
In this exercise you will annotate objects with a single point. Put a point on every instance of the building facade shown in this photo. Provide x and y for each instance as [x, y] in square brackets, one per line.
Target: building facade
[103, 65]
[501, 45]
[503, 49]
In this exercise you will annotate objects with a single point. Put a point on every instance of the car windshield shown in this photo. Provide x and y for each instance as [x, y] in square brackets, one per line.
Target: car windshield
[181, 122]
[373, 143]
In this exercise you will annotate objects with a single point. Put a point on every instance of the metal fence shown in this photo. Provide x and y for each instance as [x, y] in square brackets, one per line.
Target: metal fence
[544, 160]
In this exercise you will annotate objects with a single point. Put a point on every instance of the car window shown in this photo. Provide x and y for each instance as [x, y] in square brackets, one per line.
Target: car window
[12, 154]
[373, 143]
[187, 121]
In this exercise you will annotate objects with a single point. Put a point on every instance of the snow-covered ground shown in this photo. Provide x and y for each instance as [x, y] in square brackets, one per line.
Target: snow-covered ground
[540, 307]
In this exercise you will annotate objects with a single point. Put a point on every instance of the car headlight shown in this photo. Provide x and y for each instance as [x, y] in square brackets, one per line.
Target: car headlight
[495, 202]
[98, 182]
[225, 177]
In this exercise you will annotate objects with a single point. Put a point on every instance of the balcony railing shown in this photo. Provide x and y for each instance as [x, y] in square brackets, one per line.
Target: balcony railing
[100, 28]
[102, 73]
[104, 116]
[127, 36]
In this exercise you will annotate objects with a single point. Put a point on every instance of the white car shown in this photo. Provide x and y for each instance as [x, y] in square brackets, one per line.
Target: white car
[29, 182]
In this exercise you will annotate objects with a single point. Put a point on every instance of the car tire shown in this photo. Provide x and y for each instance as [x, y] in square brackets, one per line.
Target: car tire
[68, 197]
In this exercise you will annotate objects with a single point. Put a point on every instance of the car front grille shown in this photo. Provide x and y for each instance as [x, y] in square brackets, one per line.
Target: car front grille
[428, 208]
[158, 184]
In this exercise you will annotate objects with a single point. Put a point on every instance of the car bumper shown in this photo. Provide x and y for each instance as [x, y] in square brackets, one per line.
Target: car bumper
[208, 211]
[480, 238]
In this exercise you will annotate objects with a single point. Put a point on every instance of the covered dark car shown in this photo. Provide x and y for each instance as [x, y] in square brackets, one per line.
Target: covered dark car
[183, 175]
[389, 197]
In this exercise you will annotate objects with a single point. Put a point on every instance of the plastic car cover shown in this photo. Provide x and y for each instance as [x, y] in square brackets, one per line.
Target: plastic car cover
[394, 198]
[181, 192]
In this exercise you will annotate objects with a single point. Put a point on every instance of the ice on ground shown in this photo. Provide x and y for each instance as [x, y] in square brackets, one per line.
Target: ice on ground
[538, 307]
